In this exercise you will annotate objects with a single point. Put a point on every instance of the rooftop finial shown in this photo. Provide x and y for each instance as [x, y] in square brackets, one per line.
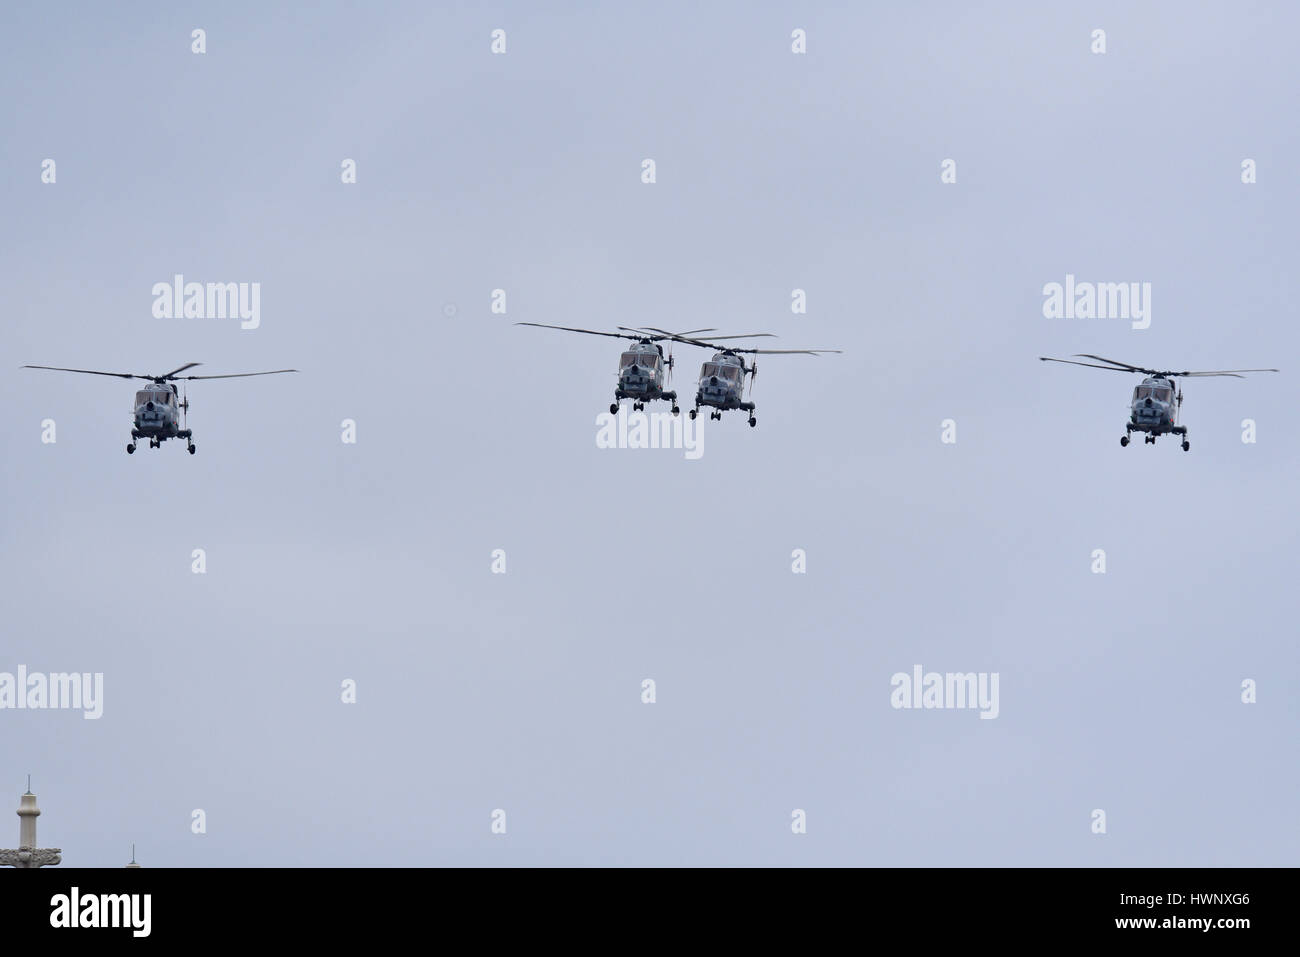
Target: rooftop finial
[29, 784]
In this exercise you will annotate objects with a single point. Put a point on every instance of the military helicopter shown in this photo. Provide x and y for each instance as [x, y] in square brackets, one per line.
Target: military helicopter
[158, 408]
[643, 373]
[1155, 407]
[722, 378]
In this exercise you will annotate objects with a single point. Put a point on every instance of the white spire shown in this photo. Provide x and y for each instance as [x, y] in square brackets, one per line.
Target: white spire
[28, 854]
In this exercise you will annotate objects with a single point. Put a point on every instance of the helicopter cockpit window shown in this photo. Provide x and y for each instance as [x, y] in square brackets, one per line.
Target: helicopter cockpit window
[1161, 395]
[639, 359]
[1141, 392]
[724, 372]
[142, 397]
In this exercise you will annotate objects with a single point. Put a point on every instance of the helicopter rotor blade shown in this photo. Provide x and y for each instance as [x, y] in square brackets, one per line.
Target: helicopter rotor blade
[590, 332]
[710, 345]
[748, 335]
[1122, 365]
[1090, 365]
[119, 375]
[647, 332]
[172, 374]
[791, 352]
[687, 335]
[235, 375]
[1125, 365]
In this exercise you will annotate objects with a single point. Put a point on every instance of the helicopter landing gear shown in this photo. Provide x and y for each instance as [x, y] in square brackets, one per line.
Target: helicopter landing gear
[613, 408]
[1187, 446]
[191, 448]
[676, 410]
[693, 413]
[1123, 440]
[130, 448]
[752, 421]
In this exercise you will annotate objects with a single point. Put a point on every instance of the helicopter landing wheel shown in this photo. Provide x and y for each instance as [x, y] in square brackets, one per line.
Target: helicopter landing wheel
[676, 411]
[191, 448]
[613, 408]
[130, 448]
[752, 421]
[1187, 446]
[1123, 440]
[693, 413]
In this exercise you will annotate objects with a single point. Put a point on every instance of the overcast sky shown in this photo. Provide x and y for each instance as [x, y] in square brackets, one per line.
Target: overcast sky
[522, 691]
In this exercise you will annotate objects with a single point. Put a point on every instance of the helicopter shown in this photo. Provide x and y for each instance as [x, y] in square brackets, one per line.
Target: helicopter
[644, 373]
[1155, 406]
[158, 407]
[722, 378]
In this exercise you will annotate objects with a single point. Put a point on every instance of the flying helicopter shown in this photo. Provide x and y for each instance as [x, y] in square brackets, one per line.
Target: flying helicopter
[158, 406]
[644, 373]
[1154, 406]
[722, 378]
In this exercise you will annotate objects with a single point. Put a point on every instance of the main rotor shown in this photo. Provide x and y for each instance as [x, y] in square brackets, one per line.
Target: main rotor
[1115, 366]
[690, 339]
[173, 376]
[647, 336]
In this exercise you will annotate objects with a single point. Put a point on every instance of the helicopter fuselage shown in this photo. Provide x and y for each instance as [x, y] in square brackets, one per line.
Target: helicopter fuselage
[641, 373]
[157, 415]
[722, 381]
[1154, 409]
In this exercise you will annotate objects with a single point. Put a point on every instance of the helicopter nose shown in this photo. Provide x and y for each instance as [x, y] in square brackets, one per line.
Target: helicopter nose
[1148, 403]
[149, 406]
[713, 380]
[635, 371]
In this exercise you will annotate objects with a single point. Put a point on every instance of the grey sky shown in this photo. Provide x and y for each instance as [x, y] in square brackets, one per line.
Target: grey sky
[522, 691]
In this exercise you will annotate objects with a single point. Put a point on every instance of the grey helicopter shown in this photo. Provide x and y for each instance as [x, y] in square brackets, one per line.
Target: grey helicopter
[644, 372]
[722, 378]
[1156, 401]
[160, 412]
